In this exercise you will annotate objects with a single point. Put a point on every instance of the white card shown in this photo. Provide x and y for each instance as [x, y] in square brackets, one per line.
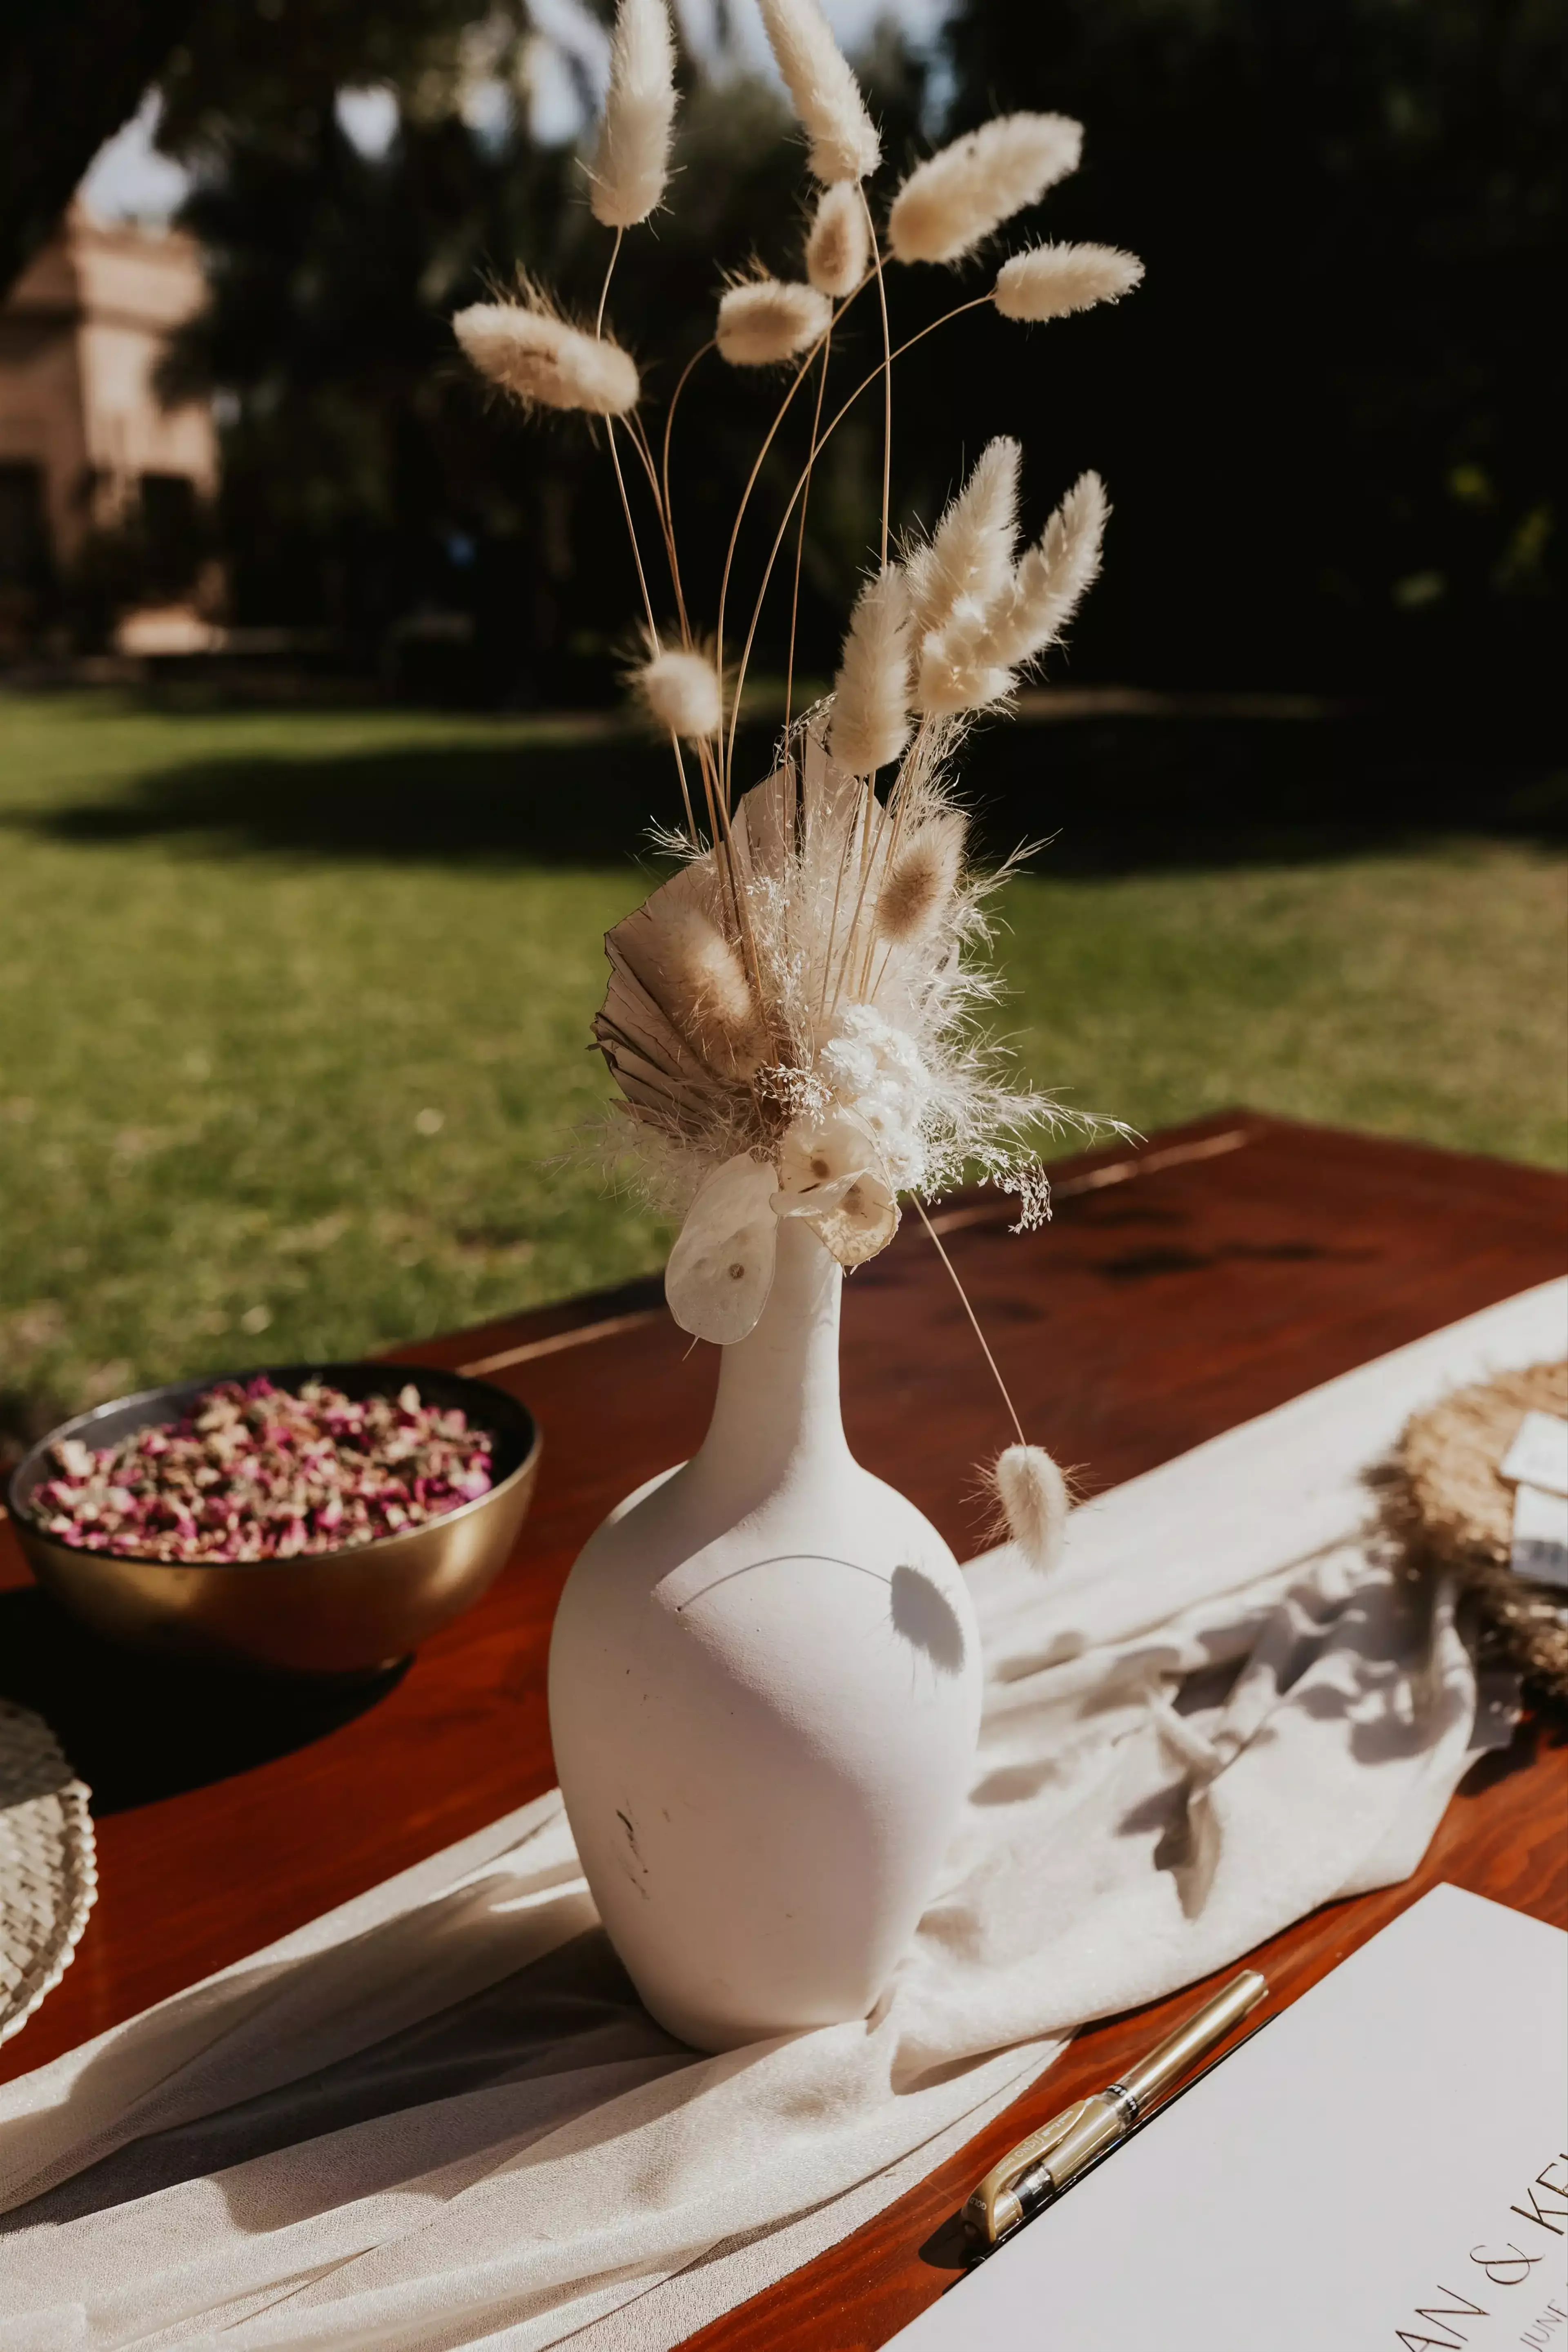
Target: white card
[1540, 1536]
[1385, 2165]
[1539, 1455]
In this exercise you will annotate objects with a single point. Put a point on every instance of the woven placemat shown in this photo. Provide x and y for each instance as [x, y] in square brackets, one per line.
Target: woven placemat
[1448, 1508]
[48, 1875]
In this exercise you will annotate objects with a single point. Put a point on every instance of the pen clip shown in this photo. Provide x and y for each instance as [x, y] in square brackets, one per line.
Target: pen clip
[981, 2209]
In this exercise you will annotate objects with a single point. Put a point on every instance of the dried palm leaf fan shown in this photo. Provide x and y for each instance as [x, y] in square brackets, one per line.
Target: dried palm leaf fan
[1450, 1511]
[792, 1019]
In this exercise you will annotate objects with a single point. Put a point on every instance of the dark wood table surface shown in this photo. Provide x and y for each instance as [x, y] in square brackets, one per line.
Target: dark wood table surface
[1219, 1269]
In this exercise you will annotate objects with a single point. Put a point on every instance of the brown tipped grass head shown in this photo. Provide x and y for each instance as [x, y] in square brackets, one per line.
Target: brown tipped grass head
[921, 880]
[838, 245]
[700, 980]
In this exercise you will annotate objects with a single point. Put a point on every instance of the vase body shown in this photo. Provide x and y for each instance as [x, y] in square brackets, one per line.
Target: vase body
[765, 1698]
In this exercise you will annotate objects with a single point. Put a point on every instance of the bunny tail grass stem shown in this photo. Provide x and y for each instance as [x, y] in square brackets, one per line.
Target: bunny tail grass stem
[609, 274]
[639, 440]
[665, 464]
[822, 345]
[686, 794]
[974, 1319]
[886, 374]
[631, 534]
[819, 442]
[800, 538]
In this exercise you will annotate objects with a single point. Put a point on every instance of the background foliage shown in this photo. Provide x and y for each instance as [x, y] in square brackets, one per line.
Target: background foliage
[1330, 421]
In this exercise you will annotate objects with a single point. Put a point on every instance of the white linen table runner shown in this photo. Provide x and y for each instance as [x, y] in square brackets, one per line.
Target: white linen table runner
[437, 2117]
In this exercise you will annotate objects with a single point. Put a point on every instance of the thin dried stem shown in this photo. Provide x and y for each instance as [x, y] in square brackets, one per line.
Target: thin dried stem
[685, 796]
[974, 1319]
[631, 534]
[664, 467]
[886, 374]
[609, 274]
[639, 440]
[796, 383]
[800, 538]
[800, 487]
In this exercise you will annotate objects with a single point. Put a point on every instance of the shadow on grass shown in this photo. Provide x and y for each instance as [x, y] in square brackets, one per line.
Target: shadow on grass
[1113, 792]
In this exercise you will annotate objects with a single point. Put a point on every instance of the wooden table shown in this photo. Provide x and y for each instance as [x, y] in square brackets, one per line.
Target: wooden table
[1219, 1270]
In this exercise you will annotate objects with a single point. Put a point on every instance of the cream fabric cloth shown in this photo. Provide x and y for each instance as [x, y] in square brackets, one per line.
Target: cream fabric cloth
[436, 2117]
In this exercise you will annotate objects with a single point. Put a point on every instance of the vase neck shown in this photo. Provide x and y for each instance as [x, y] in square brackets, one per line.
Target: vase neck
[779, 1388]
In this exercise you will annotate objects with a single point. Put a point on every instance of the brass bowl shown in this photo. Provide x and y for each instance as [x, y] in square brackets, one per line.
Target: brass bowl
[328, 1612]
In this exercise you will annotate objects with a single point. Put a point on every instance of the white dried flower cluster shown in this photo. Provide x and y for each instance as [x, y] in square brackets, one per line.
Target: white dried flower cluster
[632, 163]
[810, 1046]
[543, 363]
[764, 320]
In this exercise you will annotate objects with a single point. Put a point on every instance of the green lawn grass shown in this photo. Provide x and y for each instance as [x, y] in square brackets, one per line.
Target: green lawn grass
[277, 1078]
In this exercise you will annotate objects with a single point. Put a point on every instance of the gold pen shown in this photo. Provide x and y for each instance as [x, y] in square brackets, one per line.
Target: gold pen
[1041, 2166]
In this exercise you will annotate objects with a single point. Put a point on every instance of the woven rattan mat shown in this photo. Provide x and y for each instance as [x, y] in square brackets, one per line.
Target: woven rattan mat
[48, 1876]
[1451, 1509]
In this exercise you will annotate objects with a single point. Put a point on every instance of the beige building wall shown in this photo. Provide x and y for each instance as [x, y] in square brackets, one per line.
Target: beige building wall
[81, 335]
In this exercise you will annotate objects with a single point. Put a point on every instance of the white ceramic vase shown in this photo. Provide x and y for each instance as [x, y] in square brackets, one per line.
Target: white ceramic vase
[765, 1697]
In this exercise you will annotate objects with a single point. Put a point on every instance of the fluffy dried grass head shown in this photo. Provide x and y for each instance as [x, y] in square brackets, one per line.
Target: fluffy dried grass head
[543, 363]
[679, 690]
[917, 891]
[869, 723]
[1033, 1502]
[764, 320]
[968, 557]
[837, 246]
[1048, 281]
[957, 197]
[824, 91]
[631, 165]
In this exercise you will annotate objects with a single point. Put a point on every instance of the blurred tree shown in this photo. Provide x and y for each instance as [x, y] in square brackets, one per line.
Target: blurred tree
[1332, 418]
[367, 479]
[54, 117]
[1329, 421]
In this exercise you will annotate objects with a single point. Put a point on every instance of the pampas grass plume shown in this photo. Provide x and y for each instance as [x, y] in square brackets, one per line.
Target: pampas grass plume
[632, 163]
[825, 93]
[954, 200]
[921, 880]
[1032, 1493]
[839, 245]
[679, 690]
[542, 362]
[1048, 280]
[764, 320]
[870, 724]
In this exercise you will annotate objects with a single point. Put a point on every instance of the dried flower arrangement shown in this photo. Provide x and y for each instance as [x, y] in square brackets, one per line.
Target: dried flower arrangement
[256, 1472]
[791, 1019]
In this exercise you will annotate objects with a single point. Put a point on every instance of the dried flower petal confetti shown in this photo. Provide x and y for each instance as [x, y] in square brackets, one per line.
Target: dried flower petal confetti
[256, 1472]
